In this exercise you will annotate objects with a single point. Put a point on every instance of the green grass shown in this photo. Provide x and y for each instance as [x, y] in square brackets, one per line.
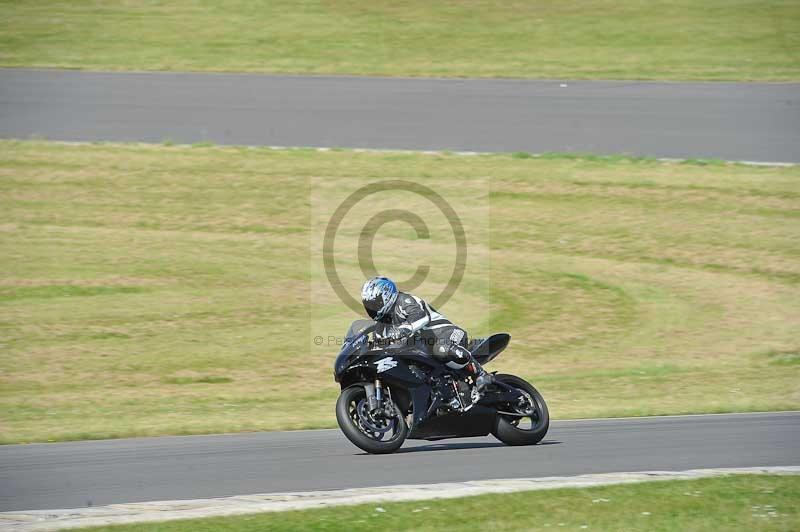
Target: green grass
[168, 290]
[750, 502]
[624, 39]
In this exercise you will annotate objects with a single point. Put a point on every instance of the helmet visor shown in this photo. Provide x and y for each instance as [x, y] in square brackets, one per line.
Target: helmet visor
[373, 306]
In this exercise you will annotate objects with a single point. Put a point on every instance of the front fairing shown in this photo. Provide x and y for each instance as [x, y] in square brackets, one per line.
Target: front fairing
[351, 351]
[355, 346]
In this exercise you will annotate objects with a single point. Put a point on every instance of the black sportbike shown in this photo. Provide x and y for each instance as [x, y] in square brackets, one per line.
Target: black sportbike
[395, 391]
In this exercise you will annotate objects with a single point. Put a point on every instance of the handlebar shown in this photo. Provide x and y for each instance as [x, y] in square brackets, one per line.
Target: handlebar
[386, 342]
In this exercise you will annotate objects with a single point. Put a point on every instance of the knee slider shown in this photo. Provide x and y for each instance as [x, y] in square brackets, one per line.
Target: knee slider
[457, 356]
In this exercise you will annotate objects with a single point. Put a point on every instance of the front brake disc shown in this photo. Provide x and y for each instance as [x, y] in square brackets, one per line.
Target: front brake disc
[371, 424]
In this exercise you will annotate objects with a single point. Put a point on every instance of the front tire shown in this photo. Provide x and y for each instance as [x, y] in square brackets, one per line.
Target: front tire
[349, 413]
[510, 429]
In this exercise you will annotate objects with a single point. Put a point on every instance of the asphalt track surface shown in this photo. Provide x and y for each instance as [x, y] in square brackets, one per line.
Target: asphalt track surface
[73, 475]
[735, 121]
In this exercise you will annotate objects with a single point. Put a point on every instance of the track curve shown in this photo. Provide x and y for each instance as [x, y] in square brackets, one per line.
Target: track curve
[735, 121]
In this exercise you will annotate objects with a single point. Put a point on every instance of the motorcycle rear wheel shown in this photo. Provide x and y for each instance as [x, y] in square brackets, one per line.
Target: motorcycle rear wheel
[510, 430]
[359, 431]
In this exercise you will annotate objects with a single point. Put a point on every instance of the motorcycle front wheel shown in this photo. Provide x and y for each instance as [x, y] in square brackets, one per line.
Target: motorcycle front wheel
[375, 434]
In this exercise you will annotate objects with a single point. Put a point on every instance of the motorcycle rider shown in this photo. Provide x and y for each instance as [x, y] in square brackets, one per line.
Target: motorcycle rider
[404, 316]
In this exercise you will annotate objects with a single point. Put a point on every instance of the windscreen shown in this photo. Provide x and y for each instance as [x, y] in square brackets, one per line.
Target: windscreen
[358, 327]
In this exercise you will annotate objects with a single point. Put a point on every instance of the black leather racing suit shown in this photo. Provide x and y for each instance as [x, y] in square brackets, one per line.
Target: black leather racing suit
[413, 318]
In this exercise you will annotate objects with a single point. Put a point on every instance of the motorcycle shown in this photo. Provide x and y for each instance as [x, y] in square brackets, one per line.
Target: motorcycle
[397, 391]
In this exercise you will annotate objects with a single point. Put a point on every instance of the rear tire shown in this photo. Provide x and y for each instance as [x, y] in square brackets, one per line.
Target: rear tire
[348, 418]
[510, 433]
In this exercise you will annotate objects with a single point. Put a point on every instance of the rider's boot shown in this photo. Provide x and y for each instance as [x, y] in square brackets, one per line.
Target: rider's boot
[460, 357]
[481, 377]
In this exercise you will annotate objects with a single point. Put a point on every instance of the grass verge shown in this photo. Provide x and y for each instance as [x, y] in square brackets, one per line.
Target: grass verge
[154, 290]
[752, 502]
[626, 39]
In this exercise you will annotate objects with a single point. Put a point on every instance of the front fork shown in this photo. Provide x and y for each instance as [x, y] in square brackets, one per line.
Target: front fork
[374, 395]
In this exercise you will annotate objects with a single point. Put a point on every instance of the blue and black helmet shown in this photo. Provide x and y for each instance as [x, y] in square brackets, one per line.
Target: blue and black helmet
[378, 295]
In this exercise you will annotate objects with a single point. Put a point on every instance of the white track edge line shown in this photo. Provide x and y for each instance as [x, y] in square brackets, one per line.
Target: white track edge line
[668, 416]
[363, 77]
[47, 520]
[578, 155]
[264, 432]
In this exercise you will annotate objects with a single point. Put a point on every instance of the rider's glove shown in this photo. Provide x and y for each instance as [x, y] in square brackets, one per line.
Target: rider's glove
[398, 333]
